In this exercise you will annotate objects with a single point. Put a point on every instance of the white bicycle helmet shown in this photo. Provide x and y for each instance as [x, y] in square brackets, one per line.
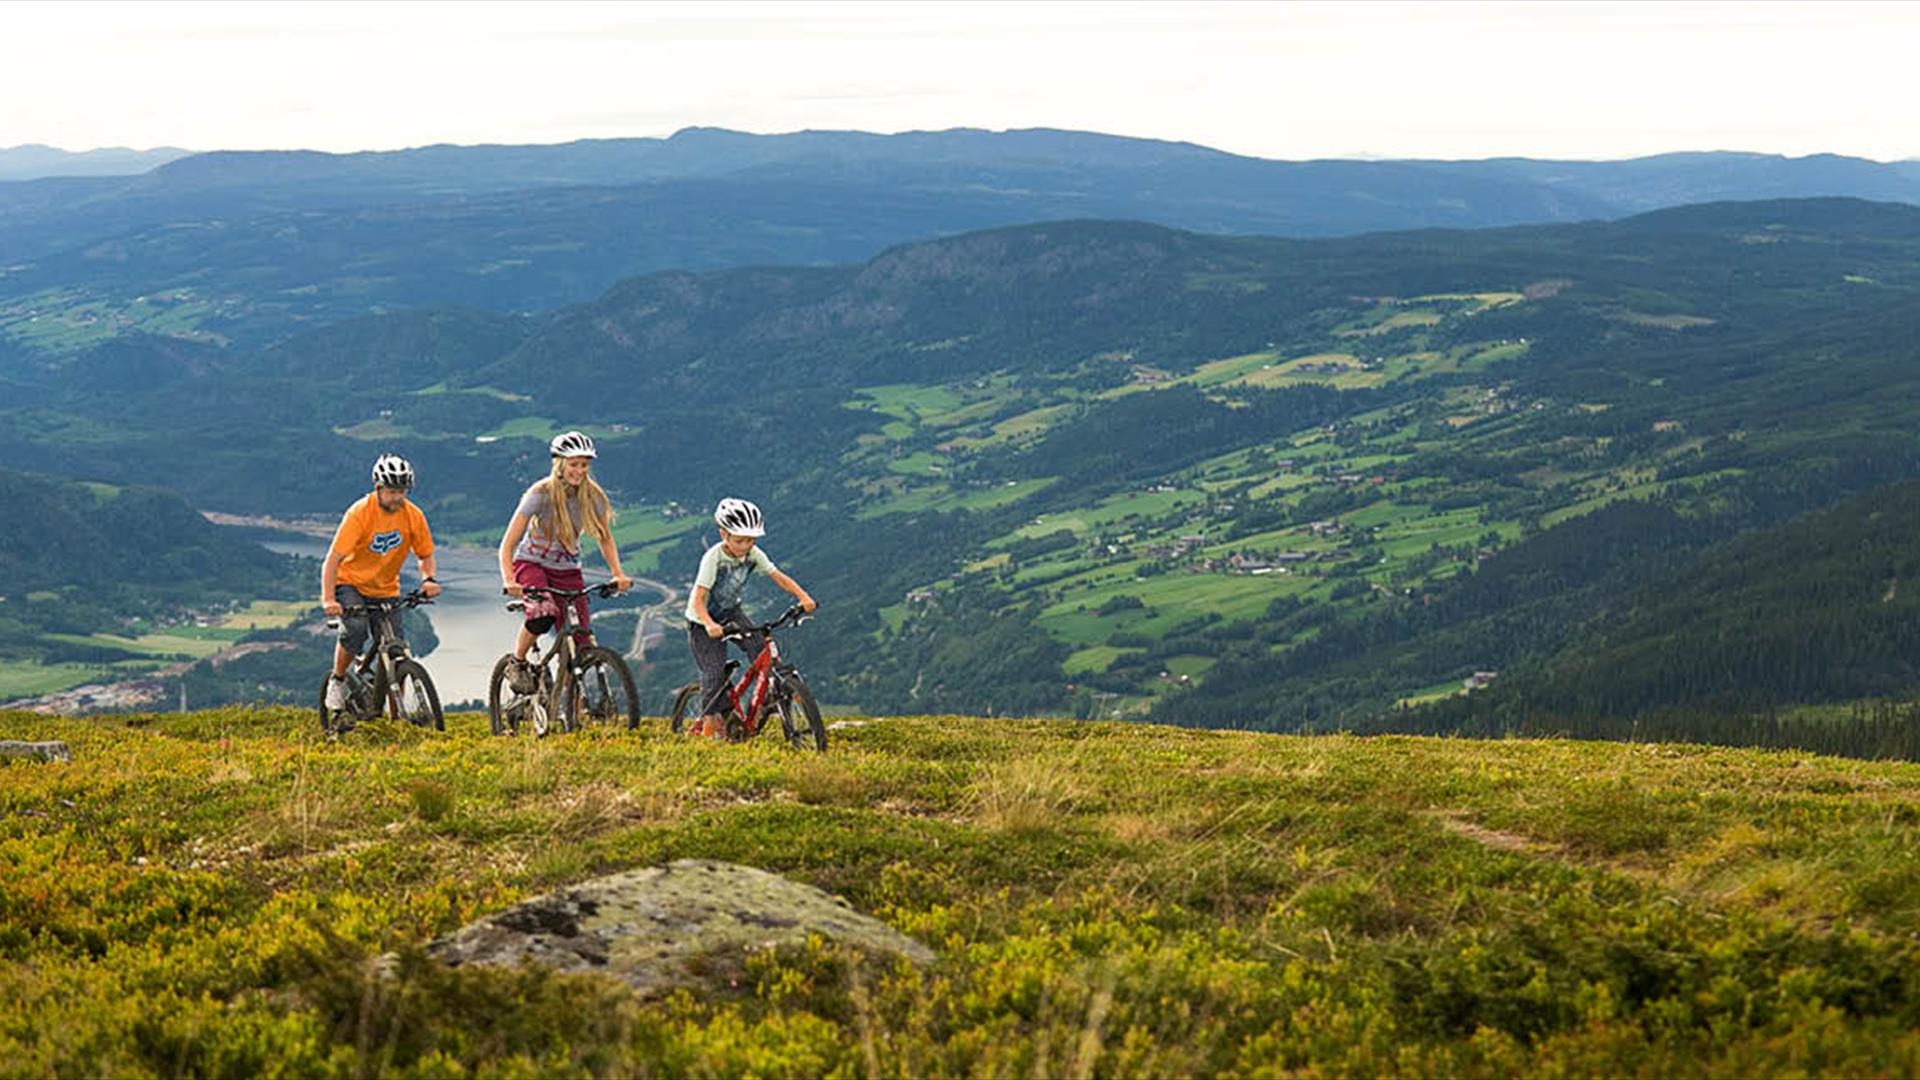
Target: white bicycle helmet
[392, 471]
[571, 444]
[740, 517]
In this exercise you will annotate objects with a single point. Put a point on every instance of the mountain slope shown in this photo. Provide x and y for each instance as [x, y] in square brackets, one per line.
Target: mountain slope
[1100, 468]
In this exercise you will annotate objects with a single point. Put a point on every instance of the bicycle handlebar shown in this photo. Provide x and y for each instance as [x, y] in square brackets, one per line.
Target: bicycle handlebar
[379, 604]
[604, 589]
[793, 616]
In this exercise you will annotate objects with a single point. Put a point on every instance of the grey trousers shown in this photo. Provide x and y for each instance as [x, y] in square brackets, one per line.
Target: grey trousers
[710, 655]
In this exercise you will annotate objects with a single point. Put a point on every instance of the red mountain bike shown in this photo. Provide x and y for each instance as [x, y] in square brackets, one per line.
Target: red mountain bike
[769, 685]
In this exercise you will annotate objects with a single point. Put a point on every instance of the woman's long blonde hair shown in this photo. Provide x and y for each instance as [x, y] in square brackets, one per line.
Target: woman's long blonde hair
[593, 502]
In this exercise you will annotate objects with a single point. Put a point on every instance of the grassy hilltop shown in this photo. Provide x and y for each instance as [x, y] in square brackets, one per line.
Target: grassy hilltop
[208, 893]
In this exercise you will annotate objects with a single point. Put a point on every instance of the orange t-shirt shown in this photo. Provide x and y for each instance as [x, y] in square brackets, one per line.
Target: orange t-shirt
[375, 543]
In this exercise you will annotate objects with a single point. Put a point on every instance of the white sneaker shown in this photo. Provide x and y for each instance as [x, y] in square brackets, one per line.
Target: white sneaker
[336, 693]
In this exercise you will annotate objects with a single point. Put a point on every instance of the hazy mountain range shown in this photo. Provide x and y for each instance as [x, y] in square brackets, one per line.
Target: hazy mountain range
[34, 161]
[276, 238]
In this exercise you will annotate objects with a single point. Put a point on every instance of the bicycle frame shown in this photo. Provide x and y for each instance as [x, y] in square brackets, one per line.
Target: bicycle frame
[758, 679]
[750, 693]
[383, 648]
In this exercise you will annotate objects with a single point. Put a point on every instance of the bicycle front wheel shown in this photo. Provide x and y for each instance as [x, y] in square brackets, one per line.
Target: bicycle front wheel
[800, 715]
[329, 720]
[505, 708]
[603, 690]
[413, 694]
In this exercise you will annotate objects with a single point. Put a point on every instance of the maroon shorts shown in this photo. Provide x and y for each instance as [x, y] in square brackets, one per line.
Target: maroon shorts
[534, 575]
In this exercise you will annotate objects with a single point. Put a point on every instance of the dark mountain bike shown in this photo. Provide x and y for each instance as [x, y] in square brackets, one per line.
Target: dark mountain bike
[769, 685]
[385, 678]
[567, 689]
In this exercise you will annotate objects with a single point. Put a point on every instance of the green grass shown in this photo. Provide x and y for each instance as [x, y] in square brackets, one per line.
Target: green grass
[940, 497]
[922, 463]
[910, 402]
[209, 894]
[632, 528]
[525, 427]
[377, 429]
[59, 321]
[1093, 658]
[27, 678]
[265, 615]
[194, 646]
[484, 391]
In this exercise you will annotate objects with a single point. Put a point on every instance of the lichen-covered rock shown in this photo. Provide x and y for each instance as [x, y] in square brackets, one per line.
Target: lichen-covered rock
[43, 751]
[668, 926]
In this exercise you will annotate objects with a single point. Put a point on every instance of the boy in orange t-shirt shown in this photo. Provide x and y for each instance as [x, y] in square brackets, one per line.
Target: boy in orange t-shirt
[371, 545]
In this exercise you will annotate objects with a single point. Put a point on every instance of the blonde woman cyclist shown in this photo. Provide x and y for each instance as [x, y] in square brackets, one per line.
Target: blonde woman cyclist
[541, 548]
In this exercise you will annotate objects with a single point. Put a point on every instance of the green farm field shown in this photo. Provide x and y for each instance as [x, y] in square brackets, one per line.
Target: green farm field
[211, 894]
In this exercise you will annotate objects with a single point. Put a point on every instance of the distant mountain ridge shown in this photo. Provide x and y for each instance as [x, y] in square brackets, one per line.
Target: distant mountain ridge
[269, 240]
[34, 161]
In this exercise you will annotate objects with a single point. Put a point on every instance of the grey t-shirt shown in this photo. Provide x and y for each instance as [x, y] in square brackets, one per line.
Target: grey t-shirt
[726, 578]
[541, 543]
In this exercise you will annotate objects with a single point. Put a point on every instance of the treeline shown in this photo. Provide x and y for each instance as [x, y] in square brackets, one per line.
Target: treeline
[1879, 729]
[1824, 608]
[79, 558]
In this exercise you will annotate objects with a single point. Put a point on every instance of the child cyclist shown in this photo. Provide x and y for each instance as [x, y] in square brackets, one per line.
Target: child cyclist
[369, 547]
[714, 608]
[541, 547]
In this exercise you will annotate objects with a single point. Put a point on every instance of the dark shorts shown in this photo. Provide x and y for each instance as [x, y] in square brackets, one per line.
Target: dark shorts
[355, 629]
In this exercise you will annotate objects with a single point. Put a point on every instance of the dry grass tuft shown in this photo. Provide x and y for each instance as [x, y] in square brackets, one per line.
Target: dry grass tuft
[1030, 793]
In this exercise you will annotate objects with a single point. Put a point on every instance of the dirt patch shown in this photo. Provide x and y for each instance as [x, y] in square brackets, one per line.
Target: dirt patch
[1456, 822]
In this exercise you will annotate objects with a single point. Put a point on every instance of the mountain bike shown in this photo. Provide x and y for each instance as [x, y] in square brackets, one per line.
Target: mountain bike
[769, 685]
[567, 688]
[385, 677]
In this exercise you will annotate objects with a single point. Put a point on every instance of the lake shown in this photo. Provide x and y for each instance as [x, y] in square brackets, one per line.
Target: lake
[469, 615]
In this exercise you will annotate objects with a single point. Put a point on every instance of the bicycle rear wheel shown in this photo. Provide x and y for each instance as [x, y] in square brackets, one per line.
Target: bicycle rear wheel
[685, 700]
[800, 715]
[413, 694]
[603, 690]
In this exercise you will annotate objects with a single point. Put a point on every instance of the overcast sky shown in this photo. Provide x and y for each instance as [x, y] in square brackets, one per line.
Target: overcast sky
[1279, 80]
